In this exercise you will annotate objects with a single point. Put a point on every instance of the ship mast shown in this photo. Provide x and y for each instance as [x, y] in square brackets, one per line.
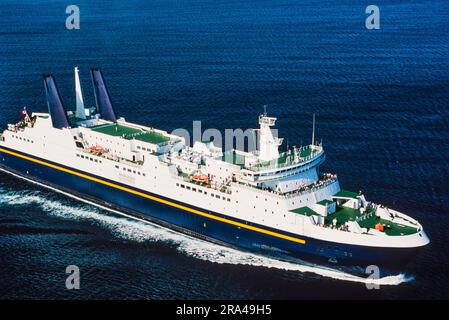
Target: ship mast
[313, 130]
[268, 143]
[80, 113]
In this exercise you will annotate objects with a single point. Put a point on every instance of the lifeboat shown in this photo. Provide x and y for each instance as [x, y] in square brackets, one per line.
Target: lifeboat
[96, 149]
[203, 178]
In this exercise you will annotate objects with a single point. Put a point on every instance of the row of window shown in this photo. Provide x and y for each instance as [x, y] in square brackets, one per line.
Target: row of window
[117, 167]
[277, 202]
[23, 139]
[143, 148]
[203, 192]
[131, 171]
[88, 158]
[214, 195]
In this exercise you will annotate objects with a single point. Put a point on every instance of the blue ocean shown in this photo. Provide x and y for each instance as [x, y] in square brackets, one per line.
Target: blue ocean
[381, 99]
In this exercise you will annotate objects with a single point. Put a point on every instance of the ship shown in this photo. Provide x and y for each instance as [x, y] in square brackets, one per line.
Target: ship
[263, 201]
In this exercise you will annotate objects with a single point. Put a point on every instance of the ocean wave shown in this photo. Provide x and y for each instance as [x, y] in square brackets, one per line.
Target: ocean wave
[134, 229]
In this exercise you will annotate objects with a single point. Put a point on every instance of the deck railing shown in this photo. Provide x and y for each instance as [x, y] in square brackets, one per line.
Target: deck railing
[274, 164]
[288, 195]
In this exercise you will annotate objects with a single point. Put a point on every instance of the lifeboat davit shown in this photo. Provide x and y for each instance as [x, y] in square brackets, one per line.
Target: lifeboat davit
[203, 178]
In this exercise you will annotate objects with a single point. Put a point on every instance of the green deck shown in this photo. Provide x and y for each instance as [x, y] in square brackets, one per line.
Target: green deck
[325, 202]
[344, 215]
[129, 133]
[306, 211]
[346, 194]
[305, 152]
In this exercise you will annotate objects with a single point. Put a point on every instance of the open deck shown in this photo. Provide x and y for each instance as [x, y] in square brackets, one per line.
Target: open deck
[368, 220]
[130, 133]
[365, 220]
[346, 194]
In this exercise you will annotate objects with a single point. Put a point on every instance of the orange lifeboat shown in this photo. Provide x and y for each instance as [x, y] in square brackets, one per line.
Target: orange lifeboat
[96, 149]
[203, 178]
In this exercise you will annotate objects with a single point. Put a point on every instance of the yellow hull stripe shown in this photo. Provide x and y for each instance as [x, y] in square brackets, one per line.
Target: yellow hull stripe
[169, 203]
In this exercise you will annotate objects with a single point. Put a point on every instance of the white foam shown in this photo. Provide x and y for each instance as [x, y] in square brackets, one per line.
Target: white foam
[137, 230]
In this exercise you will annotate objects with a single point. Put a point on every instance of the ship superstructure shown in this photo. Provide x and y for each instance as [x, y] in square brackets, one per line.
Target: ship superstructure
[268, 201]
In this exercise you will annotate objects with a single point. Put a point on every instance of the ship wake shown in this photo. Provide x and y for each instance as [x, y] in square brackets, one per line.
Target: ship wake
[134, 229]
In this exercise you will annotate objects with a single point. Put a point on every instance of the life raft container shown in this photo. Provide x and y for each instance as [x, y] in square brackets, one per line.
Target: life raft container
[380, 227]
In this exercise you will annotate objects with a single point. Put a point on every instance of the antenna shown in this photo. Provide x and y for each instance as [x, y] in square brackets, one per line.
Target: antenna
[313, 130]
[264, 109]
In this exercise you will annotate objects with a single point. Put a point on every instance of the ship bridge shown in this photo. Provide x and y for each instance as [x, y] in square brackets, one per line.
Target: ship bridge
[266, 168]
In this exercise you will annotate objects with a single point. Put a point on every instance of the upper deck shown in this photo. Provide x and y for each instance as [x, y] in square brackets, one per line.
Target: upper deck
[289, 158]
[129, 133]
